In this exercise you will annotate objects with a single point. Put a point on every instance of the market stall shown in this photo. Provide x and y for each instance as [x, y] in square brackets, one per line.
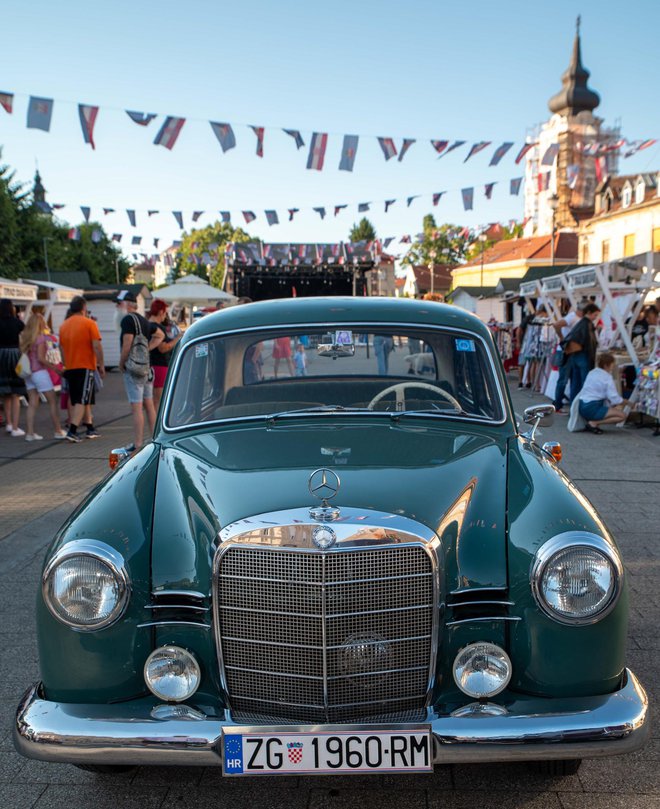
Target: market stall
[53, 300]
[21, 293]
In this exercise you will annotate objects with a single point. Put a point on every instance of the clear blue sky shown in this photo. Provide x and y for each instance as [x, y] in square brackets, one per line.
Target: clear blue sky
[423, 69]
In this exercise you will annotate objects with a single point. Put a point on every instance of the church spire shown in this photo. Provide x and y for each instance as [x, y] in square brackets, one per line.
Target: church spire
[575, 96]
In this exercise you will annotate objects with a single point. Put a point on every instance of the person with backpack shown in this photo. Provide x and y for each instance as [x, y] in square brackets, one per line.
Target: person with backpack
[137, 339]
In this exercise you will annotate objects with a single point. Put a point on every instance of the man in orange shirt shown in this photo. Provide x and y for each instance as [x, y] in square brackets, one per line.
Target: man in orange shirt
[82, 354]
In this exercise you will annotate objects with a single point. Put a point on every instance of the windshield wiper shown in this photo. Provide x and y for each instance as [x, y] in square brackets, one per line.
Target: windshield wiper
[318, 409]
[395, 414]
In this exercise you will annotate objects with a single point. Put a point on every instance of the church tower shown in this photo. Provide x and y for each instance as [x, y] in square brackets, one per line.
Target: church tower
[38, 191]
[569, 158]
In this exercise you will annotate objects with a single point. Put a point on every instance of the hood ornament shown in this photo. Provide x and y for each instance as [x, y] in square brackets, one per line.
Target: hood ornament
[324, 485]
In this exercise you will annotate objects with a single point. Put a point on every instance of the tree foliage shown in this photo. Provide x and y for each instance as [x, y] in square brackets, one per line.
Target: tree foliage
[364, 231]
[494, 233]
[439, 244]
[202, 251]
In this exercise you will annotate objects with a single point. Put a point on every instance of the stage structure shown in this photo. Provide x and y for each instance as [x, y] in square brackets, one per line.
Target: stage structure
[263, 271]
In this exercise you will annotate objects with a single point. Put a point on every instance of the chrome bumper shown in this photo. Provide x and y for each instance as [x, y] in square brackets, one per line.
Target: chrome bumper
[132, 734]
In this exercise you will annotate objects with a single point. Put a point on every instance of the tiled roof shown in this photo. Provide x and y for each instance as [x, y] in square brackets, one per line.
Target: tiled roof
[614, 185]
[535, 247]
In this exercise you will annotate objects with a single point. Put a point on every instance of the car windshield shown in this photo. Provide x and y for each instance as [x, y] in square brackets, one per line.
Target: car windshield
[430, 372]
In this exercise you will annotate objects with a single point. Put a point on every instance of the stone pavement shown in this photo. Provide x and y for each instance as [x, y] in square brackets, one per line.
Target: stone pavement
[619, 471]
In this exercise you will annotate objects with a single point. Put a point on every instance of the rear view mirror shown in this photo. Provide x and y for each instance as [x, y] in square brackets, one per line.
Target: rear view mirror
[335, 350]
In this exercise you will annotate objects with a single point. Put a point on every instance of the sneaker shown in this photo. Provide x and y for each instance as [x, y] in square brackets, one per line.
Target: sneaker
[8, 428]
[17, 433]
[34, 437]
[92, 433]
[58, 436]
[74, 438]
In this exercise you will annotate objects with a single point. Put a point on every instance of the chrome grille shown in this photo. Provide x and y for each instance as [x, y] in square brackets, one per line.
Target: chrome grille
[325, 637]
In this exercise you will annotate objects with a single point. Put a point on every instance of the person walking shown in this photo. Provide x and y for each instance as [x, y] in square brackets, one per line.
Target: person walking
[161, 355]
[34, 342]
[11, 385]
[137, 340]
[580, 347]
[563, 328]
[82, 354]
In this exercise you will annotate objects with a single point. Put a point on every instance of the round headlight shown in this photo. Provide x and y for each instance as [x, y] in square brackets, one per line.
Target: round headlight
[482, 670]
[172, 674]
[576, 578]
[85, 585]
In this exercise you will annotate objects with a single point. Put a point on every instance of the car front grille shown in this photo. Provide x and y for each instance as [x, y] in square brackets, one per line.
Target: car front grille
[325, 637]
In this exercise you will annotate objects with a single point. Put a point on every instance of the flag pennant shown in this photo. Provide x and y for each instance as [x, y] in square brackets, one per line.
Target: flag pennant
[44, 207]
[363, 206]
[317, 149]
[476, 148]
[572, 175]
[179, 218]
[468, 197]
[225, 135]
[169, 132]
[152, 213]
[407, 143]
[97, 235]
[225, 216]
[388, 241]
[141, 118]
[249, 216]
[499, 153]
[259, 132]
[87, 116]
[388, 147]
[196, 215]
[339, 208]
[116, 237]
[514, 186]
[348, 152]
[405, 240]
[136, 240]
[320, 212]
[488, 190]
[455, 145]
[550, 154]
[437, 197]
[86, 210]
[292, 213]
[543, 180]
[526, 147]
[7, 102]
[131, 217]
[74, 234]
[637, 146]
[56, 206]
[106, 211]
[601, 169]
[439, 145]
[293, 133]
[388, 204]
[409, 201]
[272, 217]
[40, 111]
[156, 243]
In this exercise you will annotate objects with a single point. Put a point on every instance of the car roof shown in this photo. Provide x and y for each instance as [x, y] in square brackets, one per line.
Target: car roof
[304, 311]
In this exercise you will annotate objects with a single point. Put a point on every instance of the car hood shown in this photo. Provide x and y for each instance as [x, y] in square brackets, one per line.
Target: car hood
[450, 478]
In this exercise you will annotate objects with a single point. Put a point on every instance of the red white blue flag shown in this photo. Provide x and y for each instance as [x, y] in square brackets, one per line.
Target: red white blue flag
[488, 190]
[317, 149]
[363, 206]
[476, 148]
[225, 135]
[468, 197]
[293, 133]
[259, 132]
[7, 102]
[272, 217]
[116, 237]
[514, 186]
[348, 152]
[169, 132]
[526, 147]
[196, 215]
[292, 213]
[405, 240]
[131, 217]
[74, 234]
[339, 208]
[225, 216]
[409, 201]
[40, 111]
[455, 145]
[637, 146]
[106, 211]
[550, 154]
[388, 204]
[85, 212]
[141, 118]
[572, 174]
[87, 120]
[179, 218]
[499, 153]
[439, 145]
[320, 211]
[601, 169]
[407, 143]
[249, 216]
[543, 180]
[136, 240]
[388, 147]
[437, 197]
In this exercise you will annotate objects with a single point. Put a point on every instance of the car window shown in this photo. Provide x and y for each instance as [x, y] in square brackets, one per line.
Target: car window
[431, 372]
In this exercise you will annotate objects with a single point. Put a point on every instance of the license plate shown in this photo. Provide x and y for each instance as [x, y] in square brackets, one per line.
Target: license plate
[282, 753]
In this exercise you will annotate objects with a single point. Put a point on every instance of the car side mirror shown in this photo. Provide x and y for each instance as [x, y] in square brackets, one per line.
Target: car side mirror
[538, 416]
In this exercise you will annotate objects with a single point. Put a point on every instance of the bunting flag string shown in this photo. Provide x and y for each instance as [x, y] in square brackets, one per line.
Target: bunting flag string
[476, 148]
[499, 153]
[106, 211]
[292, 213]
[249, 216]
[179, 218]
[87, 120]
[297, 137]
[7, 102]
[526, 147]
[272, 218]
[152, 213]
[468, 197]
[363, 207]
[437, 197]
[141, 118]
[388, 204]
[409, 200]
[259, 132]
[572, 175]
[348, 152]
[488, 190]
[131, 217]
[225, 216]
[196, 215]
[225, 135]
[320, 212]
[317, 149]
[550, 155]
[514, 186]
[407, 143]
[85, 212]
[339, 208]
[388, 147]
[169, 132]
[40, 111]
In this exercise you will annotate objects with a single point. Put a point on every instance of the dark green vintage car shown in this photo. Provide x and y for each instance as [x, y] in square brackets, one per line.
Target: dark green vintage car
[338, 554]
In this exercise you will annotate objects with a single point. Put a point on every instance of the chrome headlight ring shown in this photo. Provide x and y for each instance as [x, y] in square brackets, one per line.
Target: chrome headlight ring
[574, 540]
[103, 553]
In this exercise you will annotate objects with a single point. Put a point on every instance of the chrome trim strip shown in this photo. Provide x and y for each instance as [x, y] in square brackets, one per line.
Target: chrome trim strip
[489, 350]
[459, 604]
[130, 733]
[180, 593]
[174, 623]
[330, 614]
[487, 619]
[176, 607]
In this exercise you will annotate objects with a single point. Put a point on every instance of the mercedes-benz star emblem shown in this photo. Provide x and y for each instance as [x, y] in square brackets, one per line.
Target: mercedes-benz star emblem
[323, 484]
[324, 537]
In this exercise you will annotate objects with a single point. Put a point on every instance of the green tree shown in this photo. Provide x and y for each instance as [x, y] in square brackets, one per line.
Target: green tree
[439, 244]
[212, 241]
[364, 231]
[494, 233]
[13, 208]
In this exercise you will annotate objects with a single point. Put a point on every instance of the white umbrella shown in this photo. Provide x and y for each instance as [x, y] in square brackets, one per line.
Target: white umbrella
[192, 290]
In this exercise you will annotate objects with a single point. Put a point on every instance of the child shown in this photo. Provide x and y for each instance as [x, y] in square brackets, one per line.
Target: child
[599, 400]
[300, 360]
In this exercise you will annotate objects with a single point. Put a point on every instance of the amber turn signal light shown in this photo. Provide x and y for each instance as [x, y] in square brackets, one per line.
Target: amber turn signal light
[553, 448]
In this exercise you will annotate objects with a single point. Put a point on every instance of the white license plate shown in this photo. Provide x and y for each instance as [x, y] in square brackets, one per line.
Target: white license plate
[286, 753]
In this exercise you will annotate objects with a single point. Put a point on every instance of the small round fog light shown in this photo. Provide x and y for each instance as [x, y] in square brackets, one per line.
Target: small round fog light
[482, 670]
[172, 674]
[477, 709]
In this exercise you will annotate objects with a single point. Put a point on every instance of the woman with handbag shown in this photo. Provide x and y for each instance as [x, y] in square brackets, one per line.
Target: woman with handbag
[580, 347]
[34, 342]
[11, 385]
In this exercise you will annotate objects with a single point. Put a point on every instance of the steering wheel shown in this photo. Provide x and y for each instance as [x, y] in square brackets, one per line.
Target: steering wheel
[399, 389]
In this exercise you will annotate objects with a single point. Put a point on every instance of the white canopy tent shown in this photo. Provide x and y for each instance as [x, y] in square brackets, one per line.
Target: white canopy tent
[193, 291]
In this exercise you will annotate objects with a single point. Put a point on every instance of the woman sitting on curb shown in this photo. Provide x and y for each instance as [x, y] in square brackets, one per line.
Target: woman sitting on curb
[599, 402]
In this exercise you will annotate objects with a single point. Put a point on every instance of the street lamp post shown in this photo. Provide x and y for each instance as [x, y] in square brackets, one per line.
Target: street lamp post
[483, 239]
[553, 202]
